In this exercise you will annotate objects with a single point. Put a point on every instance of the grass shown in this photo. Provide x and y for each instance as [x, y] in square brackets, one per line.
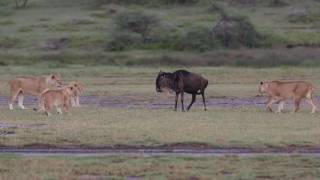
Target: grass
[140, 81]
[125, 167]
[92, 126]
[221, 127]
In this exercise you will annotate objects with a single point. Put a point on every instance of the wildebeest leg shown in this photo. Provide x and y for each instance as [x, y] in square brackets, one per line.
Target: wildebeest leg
[314, 107]
[204, 101]
[192, 101]
[297, 104]
[182, 106]
[176, 101]
[20, 100]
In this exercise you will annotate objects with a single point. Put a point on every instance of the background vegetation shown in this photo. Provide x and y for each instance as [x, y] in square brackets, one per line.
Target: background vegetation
[160, 32]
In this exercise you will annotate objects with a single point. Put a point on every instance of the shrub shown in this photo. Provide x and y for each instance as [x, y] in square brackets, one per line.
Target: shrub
[9, 42]
[136, 21]
[193, 39]
[278, 3]
[146, 2]
[236, 31]
[303, 16]
[4, 3]
[124, 40]
[4, 11]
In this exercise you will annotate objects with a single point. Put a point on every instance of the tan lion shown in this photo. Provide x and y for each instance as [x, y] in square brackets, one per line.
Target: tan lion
[32, 86]
[78, 91]
[280, 91]
[58, 98]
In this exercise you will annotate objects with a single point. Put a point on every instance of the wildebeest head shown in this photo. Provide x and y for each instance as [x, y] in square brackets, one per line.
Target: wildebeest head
[165, 81]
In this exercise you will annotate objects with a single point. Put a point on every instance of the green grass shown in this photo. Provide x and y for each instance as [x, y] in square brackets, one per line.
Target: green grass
[140, 81]
[221, 127]
[171, 167]
[92, 126]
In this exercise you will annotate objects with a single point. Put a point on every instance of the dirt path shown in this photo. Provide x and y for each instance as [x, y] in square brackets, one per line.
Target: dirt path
[155, 102]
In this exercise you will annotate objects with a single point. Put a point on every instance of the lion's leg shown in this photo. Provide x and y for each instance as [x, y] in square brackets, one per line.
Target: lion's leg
[59, 110]
[77, 101]
[280, 106]
[73, 101]
[296, 104]
[47, 109]
[13, 96]
[269, 104]
[311, 102]
[20, 100]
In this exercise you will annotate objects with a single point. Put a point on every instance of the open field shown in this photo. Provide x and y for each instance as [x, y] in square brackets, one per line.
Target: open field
[99, 125]
[238, 127]
[140, 81]
[82, 40]
[132, 167]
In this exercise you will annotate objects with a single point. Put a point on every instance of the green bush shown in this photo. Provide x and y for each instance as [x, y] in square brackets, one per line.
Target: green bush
[135, 21]
[4, 3]
[193, 39]
[237, 31]
[304, 16]
[5, 11]
[124, 40]
[9, 42]
[148, 2]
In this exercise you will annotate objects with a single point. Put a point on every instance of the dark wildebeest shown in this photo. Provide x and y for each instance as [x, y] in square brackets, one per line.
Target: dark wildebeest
[181, 82]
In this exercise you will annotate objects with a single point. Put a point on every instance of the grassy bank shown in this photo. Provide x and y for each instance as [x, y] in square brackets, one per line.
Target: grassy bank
[125, 167]
[237, 127]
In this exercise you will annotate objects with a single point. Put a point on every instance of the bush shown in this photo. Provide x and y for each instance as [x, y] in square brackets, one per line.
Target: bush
[9, 42]
[124, 40]
[278, 3]
[135, 21]
[4, 11]
[4, 3]
[303, 16]
[236, 32]
[147, 2]
[194, 39]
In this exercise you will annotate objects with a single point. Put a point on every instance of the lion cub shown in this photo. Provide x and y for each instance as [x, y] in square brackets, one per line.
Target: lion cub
[59, 99]
[78, 91]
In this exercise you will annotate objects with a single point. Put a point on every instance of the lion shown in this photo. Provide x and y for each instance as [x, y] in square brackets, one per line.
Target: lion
[280, 91]
[57, 98]
[32, 86]
[78, 91]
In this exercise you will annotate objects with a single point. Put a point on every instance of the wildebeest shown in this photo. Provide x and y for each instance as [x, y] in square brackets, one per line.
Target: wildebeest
[182, 81]
[279, 91]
